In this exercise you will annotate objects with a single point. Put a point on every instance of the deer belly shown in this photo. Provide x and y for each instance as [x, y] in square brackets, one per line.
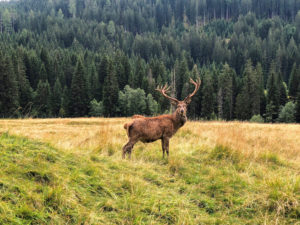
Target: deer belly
[150, 136]
[148, 140]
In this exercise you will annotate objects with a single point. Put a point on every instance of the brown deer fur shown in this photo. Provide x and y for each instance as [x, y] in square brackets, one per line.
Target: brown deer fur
[149, 129]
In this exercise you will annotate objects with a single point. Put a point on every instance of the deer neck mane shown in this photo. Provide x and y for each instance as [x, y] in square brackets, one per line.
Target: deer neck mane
[178, 120]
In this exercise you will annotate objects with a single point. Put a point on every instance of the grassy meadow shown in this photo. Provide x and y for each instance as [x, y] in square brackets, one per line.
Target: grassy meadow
[70, 171]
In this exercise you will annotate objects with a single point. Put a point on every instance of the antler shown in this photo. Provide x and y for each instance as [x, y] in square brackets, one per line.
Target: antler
[197, 86]
[163, 90]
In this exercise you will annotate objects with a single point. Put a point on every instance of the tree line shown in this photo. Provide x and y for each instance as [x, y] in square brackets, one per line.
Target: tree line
[68, 59]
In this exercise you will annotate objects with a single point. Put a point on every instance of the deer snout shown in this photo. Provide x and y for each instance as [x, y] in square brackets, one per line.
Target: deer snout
[181, 111]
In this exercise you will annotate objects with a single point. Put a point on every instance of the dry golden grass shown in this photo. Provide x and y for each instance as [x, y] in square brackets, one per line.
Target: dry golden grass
[217, 172]
[82, 134]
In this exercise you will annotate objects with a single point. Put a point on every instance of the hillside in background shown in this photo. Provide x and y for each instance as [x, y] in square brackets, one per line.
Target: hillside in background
[75, 58]
[70, 171]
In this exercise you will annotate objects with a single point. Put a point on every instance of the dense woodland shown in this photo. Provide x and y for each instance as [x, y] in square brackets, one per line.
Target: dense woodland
[72, 58]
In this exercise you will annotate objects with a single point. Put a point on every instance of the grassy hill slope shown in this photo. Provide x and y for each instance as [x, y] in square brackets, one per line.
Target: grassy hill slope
[43, 181]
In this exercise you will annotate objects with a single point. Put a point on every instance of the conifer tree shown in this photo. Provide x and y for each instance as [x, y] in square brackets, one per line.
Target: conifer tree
[42, 99]
[273, 95]
[260, 80]
[225, 93]
[110, 92]
[56, 98]
[103, 73]
[152, 106]
[8, 88]
[294, 81]
[248, 101]
[24, 89]
[65, 103]
[48, 68]
[94, 85]
[181, 78]
[208, 96]
[79, 96]
[139, 74]
[297, 109]
[194, 108]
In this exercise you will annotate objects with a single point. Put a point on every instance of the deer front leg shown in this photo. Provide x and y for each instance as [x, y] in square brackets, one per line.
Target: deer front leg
[165, 142]
[163, 147]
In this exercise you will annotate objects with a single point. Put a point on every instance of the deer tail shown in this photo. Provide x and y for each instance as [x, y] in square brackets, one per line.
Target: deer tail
[127, 127]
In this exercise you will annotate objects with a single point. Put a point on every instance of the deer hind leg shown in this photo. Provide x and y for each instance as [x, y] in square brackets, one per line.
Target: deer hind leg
[166, 145]
[128, 148]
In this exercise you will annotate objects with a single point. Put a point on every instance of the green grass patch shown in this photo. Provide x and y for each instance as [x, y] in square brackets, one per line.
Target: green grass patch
[43, 185]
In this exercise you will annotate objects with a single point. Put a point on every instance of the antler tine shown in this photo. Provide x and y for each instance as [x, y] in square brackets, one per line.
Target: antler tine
[197, 86]
[167, 88]
[163, 90]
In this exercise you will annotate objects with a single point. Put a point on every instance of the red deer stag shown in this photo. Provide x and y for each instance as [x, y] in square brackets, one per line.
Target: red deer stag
[149, 129]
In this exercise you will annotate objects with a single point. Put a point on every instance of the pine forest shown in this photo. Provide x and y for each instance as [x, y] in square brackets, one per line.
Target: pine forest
[81, 58]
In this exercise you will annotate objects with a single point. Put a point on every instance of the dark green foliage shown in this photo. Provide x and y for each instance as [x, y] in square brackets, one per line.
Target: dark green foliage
[257, 119]
[96, 108]
[134, 101]
[152, 105]
[110, 91]
[208, 96]
[79, 92]
[297, 109]
[65, 103]
[273, 95]
[225, 93]
[294, 81]
[56, 98]
[151, 43]
[248, 101]
[24, 89]
[42, 99]
[287, 113]
[8, 88]
[93, 83]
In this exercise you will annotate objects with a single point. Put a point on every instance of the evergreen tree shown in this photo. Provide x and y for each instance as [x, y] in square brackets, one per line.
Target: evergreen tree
[103, 73]
[152, 105]
[225, 93]
[42, 99]
[47, 71]
[24, 89]
[110, 92]
[273, 96]
[208, 96]
[56, 98]
[8, 88]
[294, 81]
[297, 108]
[194, 108]
[248, 101]
[260, 80]
[43, 73]
[136, 80]
[65, 103]
[79, 95]
[181, 78]
[94, 84]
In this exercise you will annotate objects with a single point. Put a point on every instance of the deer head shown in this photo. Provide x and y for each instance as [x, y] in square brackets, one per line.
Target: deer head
[181, 106]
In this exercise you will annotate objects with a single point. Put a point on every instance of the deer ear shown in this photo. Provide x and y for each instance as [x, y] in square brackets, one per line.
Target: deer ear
[188, 101]
[174, 103]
